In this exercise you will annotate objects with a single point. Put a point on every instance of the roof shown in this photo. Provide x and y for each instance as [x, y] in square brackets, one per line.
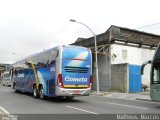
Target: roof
[123, 36]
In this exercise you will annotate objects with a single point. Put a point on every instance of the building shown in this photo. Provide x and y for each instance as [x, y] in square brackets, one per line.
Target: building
[121, 52]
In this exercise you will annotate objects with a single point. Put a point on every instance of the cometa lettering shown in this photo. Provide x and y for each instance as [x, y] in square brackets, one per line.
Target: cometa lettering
[20, 75]
[69, 79]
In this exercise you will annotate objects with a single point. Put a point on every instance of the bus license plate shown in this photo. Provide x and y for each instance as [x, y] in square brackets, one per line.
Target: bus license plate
[77, 92]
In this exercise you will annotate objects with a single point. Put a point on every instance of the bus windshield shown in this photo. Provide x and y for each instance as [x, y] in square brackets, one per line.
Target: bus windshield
[156, 67]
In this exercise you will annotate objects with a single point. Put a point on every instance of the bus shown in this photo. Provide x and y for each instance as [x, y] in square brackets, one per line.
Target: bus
[63, 71]
[6, 81]
[154, 75]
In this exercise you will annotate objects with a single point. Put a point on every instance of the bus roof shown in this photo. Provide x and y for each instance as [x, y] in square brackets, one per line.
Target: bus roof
[35, 57]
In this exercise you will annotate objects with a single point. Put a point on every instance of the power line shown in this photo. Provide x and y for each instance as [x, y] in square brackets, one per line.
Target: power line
[148, 25]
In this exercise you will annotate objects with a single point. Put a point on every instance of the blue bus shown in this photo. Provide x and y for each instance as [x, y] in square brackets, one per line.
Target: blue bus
[64, 71]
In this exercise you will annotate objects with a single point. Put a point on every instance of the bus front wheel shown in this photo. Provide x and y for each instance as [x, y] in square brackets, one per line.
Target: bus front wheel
[35, 92]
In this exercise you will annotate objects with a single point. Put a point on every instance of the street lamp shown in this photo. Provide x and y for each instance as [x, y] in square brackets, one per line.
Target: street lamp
[96, 63]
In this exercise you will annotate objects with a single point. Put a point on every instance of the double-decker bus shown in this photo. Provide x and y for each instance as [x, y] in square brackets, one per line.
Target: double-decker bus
[154, 75]
[64, 71]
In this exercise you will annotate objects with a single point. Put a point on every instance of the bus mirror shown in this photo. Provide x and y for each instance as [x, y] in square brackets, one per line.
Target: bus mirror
[144, 64]
[27, 63]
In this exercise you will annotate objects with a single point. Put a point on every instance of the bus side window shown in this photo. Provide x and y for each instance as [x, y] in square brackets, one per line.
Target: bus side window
[156, 76]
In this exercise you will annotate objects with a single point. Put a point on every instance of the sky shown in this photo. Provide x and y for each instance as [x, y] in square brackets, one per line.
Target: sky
[31, 26]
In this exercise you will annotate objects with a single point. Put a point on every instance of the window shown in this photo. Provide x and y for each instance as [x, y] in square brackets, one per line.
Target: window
[156, 76]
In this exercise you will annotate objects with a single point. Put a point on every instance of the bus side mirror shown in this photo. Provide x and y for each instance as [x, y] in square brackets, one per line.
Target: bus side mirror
[28, 63]
[144, 64]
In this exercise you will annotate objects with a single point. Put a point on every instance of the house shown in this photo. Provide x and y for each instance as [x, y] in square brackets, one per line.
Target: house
[121, 52]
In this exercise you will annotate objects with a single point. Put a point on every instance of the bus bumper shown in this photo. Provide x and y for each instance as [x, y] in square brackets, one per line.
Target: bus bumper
[72, 92]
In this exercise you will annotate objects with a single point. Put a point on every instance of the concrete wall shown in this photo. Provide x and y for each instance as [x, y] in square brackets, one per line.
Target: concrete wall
[119, 77]
[133, 55]
[104, 76]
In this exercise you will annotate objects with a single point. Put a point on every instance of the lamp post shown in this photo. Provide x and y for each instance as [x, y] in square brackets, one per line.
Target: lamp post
[96, 63]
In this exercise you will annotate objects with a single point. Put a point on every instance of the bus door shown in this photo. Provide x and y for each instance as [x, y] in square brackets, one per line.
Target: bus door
[155, 76]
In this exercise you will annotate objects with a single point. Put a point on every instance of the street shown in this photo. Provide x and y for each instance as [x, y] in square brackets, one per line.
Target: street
[20, 103]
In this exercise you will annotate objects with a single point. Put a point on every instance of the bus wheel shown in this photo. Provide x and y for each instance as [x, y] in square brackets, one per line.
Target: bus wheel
[41, 93]
[15, 88]
[35, 92]
[70, 98]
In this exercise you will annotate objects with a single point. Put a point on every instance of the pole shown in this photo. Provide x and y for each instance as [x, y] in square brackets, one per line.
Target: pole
[96, 61]
[97, 75]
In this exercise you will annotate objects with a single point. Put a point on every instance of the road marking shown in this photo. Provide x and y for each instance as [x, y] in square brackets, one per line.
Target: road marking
[127, 105]
[82, 110]
[4, 110]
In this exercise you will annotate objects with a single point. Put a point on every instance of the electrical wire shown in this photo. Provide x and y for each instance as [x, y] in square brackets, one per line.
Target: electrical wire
[148, 25]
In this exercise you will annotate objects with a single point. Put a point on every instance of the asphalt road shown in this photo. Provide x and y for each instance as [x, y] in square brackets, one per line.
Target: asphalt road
[90, 107]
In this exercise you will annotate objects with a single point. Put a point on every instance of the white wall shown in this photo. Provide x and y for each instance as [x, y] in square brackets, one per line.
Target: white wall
[132, 55]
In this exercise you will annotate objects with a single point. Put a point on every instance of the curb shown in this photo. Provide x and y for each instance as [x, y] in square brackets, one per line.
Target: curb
[144, 99]
[100, 94]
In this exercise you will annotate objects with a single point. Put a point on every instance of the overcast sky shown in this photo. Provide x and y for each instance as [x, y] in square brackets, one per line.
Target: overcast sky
[30, 26]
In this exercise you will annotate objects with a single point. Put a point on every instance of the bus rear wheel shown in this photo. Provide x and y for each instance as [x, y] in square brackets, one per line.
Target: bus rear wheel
[70, 98]
[15, 88]
[41, 93]
[35, 92]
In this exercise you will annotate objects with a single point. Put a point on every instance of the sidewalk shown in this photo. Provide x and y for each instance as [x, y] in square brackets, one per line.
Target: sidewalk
[145, 96]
